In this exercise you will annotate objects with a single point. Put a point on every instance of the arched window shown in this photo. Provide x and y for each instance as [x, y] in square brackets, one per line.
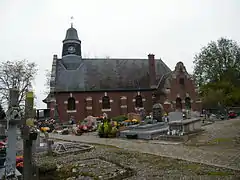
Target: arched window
[106, 102]
[188, 103]
[178, 103]
[138, 101]
[71, 104]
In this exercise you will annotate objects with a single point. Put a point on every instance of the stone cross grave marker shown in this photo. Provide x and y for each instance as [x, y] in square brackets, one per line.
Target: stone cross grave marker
[175, 116]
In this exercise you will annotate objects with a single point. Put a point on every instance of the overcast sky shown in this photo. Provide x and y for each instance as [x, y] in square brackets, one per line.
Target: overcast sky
[174, 30]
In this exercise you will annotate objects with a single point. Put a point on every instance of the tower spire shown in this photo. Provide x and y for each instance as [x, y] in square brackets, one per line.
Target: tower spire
[71, 21]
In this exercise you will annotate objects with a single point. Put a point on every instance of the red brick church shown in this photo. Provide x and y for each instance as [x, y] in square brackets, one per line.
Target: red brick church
[91, 86]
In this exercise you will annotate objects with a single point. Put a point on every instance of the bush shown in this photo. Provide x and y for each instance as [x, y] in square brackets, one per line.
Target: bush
[107, 128]
[113, 132]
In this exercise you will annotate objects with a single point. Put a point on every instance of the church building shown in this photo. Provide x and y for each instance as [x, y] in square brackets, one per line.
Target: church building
[92, 86]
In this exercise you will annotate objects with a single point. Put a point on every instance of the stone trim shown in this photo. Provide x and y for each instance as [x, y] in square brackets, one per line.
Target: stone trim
[123, 98]
[89, 108]
[71, 111]
[143, 99]
[53, 100]
[106, 110]
[139, 108]
[89, 99]
[123, 106]
[66, 102]
[133, 100]
[199, 101]
[153, 86]
[166, 102]
[111, 101]
[52, 89]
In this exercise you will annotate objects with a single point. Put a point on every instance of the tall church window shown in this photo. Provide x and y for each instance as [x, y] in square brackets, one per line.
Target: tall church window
[138, 101]
[106, 102]
[71, 104]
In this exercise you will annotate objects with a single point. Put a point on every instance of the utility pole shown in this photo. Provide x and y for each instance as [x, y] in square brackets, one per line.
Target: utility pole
[28, 136]
[14, 118]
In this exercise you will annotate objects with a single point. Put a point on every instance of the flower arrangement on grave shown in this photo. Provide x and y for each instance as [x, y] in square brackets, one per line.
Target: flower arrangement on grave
[19, 159]
[107, 129]
[3, 153]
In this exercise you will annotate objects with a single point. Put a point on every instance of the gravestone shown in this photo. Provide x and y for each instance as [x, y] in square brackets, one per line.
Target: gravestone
[157, 111]
[175, 116]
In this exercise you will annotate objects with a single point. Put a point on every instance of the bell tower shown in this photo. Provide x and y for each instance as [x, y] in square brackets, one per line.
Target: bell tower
[71, 43]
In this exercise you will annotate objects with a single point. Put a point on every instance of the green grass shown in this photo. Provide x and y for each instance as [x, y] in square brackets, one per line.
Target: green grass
[192, 167]
[220, 141]
[219, 173]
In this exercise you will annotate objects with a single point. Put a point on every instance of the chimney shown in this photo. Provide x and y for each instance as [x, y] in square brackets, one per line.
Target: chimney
[152, 70]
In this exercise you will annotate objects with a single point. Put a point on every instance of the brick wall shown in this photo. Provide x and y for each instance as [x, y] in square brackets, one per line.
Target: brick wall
[90, 103]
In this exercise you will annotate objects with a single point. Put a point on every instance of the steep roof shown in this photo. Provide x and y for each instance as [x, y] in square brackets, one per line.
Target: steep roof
[71, 34]
[105, 74]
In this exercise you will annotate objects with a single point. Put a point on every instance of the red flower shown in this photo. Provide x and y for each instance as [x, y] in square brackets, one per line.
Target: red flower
[20, 164]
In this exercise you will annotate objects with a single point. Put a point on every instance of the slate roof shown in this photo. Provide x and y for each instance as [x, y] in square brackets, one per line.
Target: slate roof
[105, 74]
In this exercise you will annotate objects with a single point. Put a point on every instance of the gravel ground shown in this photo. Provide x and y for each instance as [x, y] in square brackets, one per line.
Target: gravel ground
[222, 137]
[107, 162]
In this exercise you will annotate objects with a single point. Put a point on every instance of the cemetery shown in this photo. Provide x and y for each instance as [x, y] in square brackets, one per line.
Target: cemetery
[176, 125]
[37, 144]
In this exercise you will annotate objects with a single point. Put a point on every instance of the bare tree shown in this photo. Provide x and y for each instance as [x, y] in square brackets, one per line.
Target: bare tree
[47, 82]
[16, 74]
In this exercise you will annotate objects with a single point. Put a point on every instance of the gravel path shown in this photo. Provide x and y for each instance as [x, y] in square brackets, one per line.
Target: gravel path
[227, 157]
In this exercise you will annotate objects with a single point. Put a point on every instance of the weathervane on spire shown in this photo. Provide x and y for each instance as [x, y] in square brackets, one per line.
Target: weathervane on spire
[71, 21]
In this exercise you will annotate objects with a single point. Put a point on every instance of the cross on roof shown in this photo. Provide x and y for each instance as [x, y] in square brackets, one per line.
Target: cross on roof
[72, 21]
